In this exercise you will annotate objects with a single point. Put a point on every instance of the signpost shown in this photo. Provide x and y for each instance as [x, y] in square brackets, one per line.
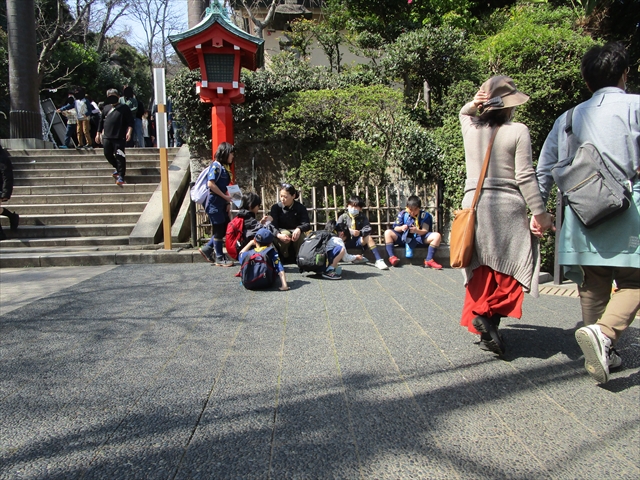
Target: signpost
[161, 135]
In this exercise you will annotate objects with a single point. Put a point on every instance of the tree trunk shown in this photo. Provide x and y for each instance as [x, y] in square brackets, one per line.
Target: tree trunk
[195, 11]
[24, 114]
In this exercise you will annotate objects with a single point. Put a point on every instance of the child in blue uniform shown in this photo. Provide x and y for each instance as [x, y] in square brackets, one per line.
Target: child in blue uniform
[337, 251]
[411, 229]
[219, 205]
[263, 240]
[360, 229]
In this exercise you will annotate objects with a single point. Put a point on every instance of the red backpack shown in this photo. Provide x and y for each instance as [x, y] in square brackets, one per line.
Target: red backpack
[234, 237]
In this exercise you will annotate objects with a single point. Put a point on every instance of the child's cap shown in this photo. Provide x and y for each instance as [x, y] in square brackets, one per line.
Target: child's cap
[264, 236]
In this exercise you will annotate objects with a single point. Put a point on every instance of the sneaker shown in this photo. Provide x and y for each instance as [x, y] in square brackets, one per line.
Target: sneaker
[595, 346]
[489, 336]
[207, 252]
[380, 263]
[432, 264]
[408, 251]
[394, 261]
[120, 181]
[223, 261]
[331, 275]
[614, 359]
[115, 174]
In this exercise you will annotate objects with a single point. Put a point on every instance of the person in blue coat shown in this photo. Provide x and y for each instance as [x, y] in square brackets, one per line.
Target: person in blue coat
[596, 258]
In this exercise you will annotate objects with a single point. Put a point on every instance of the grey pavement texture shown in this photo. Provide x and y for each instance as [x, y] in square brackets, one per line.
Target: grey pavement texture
[176, 372]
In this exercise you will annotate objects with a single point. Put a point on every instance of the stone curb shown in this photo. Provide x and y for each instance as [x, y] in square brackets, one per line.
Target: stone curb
[93, 258]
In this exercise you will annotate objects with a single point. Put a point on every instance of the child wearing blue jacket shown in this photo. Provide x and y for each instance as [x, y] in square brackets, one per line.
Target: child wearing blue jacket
[411, 229]
[263, 240]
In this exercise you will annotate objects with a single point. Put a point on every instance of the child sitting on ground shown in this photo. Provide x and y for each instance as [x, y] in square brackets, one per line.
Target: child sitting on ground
[360, 230]
[262, 243]
[249, 208]
[336, 250]
[411, 229]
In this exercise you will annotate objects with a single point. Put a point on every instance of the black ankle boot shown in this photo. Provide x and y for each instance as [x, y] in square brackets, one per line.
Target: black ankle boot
[495, 320]
[14, 218]
[3, 236]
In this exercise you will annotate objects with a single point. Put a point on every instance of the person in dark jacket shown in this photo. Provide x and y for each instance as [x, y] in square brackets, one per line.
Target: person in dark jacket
[6, 179]
[249, 208]
[291, 220]
[115, 129]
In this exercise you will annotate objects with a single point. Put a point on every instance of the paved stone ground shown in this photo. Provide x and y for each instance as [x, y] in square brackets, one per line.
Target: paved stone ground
[175, 371]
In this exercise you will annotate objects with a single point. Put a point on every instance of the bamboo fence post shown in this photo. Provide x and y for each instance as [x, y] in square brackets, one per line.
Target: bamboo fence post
[326, 204]
[315, 209]
[335, 203]
[388, 201]
[378, 212]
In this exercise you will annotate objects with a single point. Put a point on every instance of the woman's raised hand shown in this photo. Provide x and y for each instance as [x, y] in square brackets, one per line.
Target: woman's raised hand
[480, 98]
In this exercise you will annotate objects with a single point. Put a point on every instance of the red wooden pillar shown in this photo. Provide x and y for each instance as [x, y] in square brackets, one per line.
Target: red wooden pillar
[222, 127]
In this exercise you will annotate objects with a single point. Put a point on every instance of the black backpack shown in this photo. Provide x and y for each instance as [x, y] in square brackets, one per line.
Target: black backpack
[312, 256]
[257, 272]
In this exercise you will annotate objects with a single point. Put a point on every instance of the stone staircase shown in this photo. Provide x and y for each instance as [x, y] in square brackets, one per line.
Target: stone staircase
[70, 206]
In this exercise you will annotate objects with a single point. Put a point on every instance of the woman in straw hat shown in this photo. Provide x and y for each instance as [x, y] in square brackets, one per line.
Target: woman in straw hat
[506, 260]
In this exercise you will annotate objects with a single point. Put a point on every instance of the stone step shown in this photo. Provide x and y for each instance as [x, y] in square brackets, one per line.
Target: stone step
[70, 208]
[109, 257]
[109, 188]
[57, 231]
[73, 153]
[103, 170]
[113, 197]
[17, 245]
[85, 180]
[81, 164]
[75, 219]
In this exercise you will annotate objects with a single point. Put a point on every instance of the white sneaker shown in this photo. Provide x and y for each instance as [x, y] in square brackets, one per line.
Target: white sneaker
[381, 264]
[595, 346]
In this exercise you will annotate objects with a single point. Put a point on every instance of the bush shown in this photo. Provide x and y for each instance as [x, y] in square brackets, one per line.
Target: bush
[312, 120]
[540, 48]
[193, 115]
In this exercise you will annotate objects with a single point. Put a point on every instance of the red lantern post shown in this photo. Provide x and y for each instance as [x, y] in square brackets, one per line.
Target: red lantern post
[219, 49]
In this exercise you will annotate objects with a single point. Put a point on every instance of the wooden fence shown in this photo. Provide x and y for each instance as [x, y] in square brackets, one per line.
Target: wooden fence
[382, 206]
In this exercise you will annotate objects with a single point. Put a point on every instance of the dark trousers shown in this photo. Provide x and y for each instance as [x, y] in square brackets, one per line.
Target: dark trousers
[114, 153]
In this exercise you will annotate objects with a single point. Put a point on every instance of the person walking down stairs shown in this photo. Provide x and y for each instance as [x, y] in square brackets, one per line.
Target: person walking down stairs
[114, 131]
[6, 179]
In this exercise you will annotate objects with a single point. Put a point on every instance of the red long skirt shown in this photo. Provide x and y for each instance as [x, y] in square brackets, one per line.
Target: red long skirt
[491, 293]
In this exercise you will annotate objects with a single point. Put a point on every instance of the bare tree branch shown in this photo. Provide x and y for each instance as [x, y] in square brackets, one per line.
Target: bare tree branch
[61, 31]
[112, 11]
[261, 25]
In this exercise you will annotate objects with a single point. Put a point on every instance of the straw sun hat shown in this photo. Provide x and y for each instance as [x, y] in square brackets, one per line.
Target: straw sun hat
[502, 93]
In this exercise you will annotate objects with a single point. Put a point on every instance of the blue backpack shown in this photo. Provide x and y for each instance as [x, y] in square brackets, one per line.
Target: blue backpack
[257, 272]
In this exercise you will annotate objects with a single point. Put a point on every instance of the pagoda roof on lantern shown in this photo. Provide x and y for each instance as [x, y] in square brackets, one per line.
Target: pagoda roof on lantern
[216, 29]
